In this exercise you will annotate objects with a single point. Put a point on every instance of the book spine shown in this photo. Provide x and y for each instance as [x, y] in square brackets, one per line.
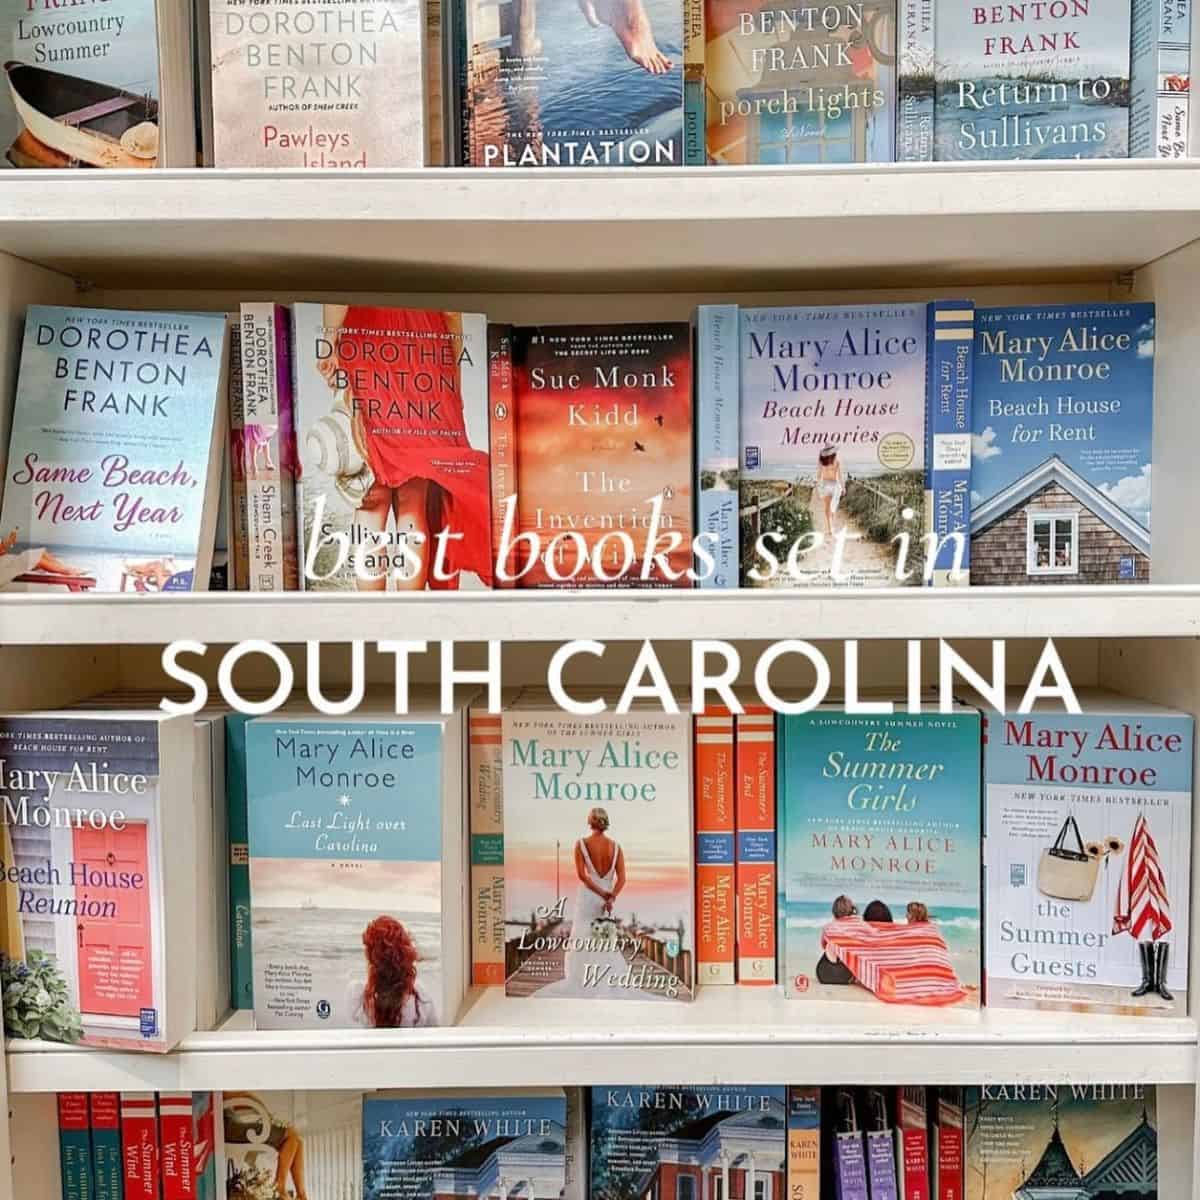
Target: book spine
[1160, 79]
[435, 134]
[502, 434]
[177, 1145]
[107, 1168]
[912, 1144]
[915, 89]
[948, 1158]
[139, 1145]
[288, 459]
[803, 1143]
[755, 817]
[949, 374]
[715, 883]
[239, 525]
[487, 849]
[717, 441]
[849, 1167]
[204, 1152]
[694, 125]
[74, 1146]
[241, 966]
[881, 1164]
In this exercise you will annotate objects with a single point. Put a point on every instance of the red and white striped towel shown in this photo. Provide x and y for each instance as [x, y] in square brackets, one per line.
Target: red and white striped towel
[1143, 908]
[901, 964]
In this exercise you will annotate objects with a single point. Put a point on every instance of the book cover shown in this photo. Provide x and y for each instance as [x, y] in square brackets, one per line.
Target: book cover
[177, 1145]
[92, 805]
[912, 1143]
[755, 847]
[114, 460]
[672, 1141]
[1022, 81]
[75, 1147]
[604, 454]
[502, 419]
[351, 920]
[848, 1155]
[267, 447]
[882, 826]
[717, 442]
[716, 885]
[241, 970]
[598, 883]
[1160, 79]
[948, 440]
[812, 84]
[487, 847]
[597, 84]
[803, 1143]
[422, 1146]
[328, 85]
[108, 1171]
[833, 445]
[880, 1145]
[1061, 444]
[392, 431]
[139, 1145]
[948, 1148]
[1040, 1140]
[1088, 858]
[83, 86]
[915, 87]
[238, 516]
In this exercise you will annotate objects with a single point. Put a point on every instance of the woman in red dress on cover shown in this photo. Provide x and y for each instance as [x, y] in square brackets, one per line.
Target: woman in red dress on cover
[426, 475]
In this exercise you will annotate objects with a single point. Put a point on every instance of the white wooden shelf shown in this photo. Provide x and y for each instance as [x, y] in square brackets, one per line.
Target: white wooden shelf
[536, 616]
[604, 230]
[740, 1034]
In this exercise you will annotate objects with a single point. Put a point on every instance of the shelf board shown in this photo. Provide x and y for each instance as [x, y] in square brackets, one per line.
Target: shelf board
[555, 616]
[727, 1035]
[614, 230]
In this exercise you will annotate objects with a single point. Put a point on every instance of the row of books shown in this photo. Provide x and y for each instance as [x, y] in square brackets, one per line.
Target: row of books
[388, 449]
[619, 1143]
[365, 871]
[394, 83]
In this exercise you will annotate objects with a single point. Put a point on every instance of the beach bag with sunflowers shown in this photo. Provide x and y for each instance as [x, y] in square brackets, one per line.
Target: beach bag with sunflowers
[1067, 873]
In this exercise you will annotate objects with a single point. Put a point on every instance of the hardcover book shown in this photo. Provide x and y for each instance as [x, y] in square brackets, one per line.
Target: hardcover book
[604, 454]
[1061, 444]
[487, 847]
[947, 1145]
[598, 84]
[880, 1145]
[803, 1143]
[139, 1145]
[833, 445]
[107, 1170]
[328, 85]
[356, 871]
[850, 1177]
[912, 1143]
[239, 514]
[598, 882]
[392, 431]
[694, 152]
[423, 1145]
[1087, 1140]
[716, 887]
[717, 443]
[914, 88]
[75, 1147]
[1021, 81]
[1160, 79]
[92, 806]
[881, 819]
[664, 1140]
[811, 84]
[1088, 858]
[114, 461]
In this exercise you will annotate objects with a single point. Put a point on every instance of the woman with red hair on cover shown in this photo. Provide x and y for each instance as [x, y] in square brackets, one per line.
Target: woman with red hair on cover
[399, 372]
[391, 997]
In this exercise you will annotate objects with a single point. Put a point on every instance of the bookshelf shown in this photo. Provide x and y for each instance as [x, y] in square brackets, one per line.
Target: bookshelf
[610, 245]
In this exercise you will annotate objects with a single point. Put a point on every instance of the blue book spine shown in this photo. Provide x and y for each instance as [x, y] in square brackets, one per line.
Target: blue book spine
[948, 439]
[717, 442]
[1160, 77]
[75, 1146]
[693, 122]
[915, 98]
[241, 962]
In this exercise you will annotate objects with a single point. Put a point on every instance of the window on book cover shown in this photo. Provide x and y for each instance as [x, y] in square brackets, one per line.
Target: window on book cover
[1052, 543]
[805, 136]
[685, 1188]
[762, 1189]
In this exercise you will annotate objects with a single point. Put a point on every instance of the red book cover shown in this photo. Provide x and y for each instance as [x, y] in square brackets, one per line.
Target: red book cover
[715, 883]
[912, 1144]
[604, 454]
[948, 1144]
[139, 1145]
[755, 815]
[502, 433]
[178, 1140]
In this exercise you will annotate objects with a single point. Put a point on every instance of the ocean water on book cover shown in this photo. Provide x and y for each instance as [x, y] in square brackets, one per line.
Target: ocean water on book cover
[598, 855]
[114, 463]
[1062, 424]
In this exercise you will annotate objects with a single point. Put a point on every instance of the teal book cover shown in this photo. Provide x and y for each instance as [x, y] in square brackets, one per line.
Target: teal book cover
[346, 873]
[241, 968]
[881, 829]
[114, 462]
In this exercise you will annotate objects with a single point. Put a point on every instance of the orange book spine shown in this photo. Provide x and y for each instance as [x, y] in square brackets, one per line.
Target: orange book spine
[502, 433]
[715, 884]
[487, 849]
[755, 815]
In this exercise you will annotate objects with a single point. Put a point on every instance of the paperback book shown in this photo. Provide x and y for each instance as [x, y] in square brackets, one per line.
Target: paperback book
[1061, 444]
[75, 1147]
[809, 84]
[92, 804]
[598, 881]
[487, 847]
[803, 1143]
[392, 430]
[716, 886]
[756, 819]
[107, 1169]
[332, 84]
[114, 461]
[1088, 857]
[356, 871]
[717, 443]
[881, 820]
[1161, 73]
[139, 1145]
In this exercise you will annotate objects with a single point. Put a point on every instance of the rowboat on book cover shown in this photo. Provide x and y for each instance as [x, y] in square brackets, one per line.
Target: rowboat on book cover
[91, 122]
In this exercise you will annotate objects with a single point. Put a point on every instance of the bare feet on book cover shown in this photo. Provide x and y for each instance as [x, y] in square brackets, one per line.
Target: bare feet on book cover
[46, 563]
[628, 20]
